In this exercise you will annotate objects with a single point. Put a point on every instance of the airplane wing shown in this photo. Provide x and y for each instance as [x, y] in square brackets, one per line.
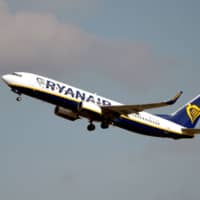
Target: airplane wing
[128, 109]
[191, 131]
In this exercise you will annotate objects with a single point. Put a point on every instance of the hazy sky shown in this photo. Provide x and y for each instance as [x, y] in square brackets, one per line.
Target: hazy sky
[131, 51]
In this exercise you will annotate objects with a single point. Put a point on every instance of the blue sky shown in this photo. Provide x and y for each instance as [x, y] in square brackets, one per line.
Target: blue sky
[131, 51]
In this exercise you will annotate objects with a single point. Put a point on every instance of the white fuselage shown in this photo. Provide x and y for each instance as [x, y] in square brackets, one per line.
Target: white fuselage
[61, 92]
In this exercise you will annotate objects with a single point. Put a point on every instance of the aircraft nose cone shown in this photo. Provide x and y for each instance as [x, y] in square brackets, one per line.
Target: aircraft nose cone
[5, 78]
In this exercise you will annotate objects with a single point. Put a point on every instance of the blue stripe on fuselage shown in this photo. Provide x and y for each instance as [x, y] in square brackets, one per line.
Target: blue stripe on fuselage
[145, 129]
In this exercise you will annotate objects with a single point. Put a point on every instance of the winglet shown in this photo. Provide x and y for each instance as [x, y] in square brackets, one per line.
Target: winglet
[175, 98]
[128, 109]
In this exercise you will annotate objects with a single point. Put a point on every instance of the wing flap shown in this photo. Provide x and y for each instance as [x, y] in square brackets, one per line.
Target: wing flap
[128, 109]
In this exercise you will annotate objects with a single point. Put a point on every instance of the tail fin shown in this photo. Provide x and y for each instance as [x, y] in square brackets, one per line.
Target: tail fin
[189, 114]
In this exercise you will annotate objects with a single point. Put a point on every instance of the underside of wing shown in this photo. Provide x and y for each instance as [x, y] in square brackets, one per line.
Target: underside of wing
[128, 109]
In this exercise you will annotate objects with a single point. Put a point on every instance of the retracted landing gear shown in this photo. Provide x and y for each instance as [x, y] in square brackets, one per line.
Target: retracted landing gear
[91, 126]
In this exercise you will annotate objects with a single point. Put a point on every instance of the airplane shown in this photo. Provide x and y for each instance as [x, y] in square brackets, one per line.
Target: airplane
[72, 104]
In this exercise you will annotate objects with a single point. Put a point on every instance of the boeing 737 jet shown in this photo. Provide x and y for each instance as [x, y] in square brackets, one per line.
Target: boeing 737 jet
[72, 104]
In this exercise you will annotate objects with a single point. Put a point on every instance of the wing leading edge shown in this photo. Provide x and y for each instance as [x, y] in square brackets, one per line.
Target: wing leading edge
[128, 109]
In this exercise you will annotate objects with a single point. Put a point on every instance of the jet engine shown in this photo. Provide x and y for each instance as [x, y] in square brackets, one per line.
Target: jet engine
[66, 113]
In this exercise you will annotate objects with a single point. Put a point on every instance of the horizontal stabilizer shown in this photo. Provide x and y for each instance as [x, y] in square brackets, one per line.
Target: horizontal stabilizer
[191, 131]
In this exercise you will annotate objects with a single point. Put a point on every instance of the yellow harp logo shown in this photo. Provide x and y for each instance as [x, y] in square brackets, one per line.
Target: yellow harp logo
[193, 112]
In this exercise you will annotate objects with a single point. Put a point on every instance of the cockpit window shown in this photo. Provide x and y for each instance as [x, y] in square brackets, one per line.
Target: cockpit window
[16, 74]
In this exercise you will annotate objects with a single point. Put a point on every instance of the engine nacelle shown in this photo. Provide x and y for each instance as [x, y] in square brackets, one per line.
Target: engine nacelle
[66, 113]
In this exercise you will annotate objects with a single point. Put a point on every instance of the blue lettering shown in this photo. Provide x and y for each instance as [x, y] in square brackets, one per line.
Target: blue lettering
[70, 92]
[51, 85]
[60, 88]
[98, 101]
[90, 99]
[106, 103]
[80, 96]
